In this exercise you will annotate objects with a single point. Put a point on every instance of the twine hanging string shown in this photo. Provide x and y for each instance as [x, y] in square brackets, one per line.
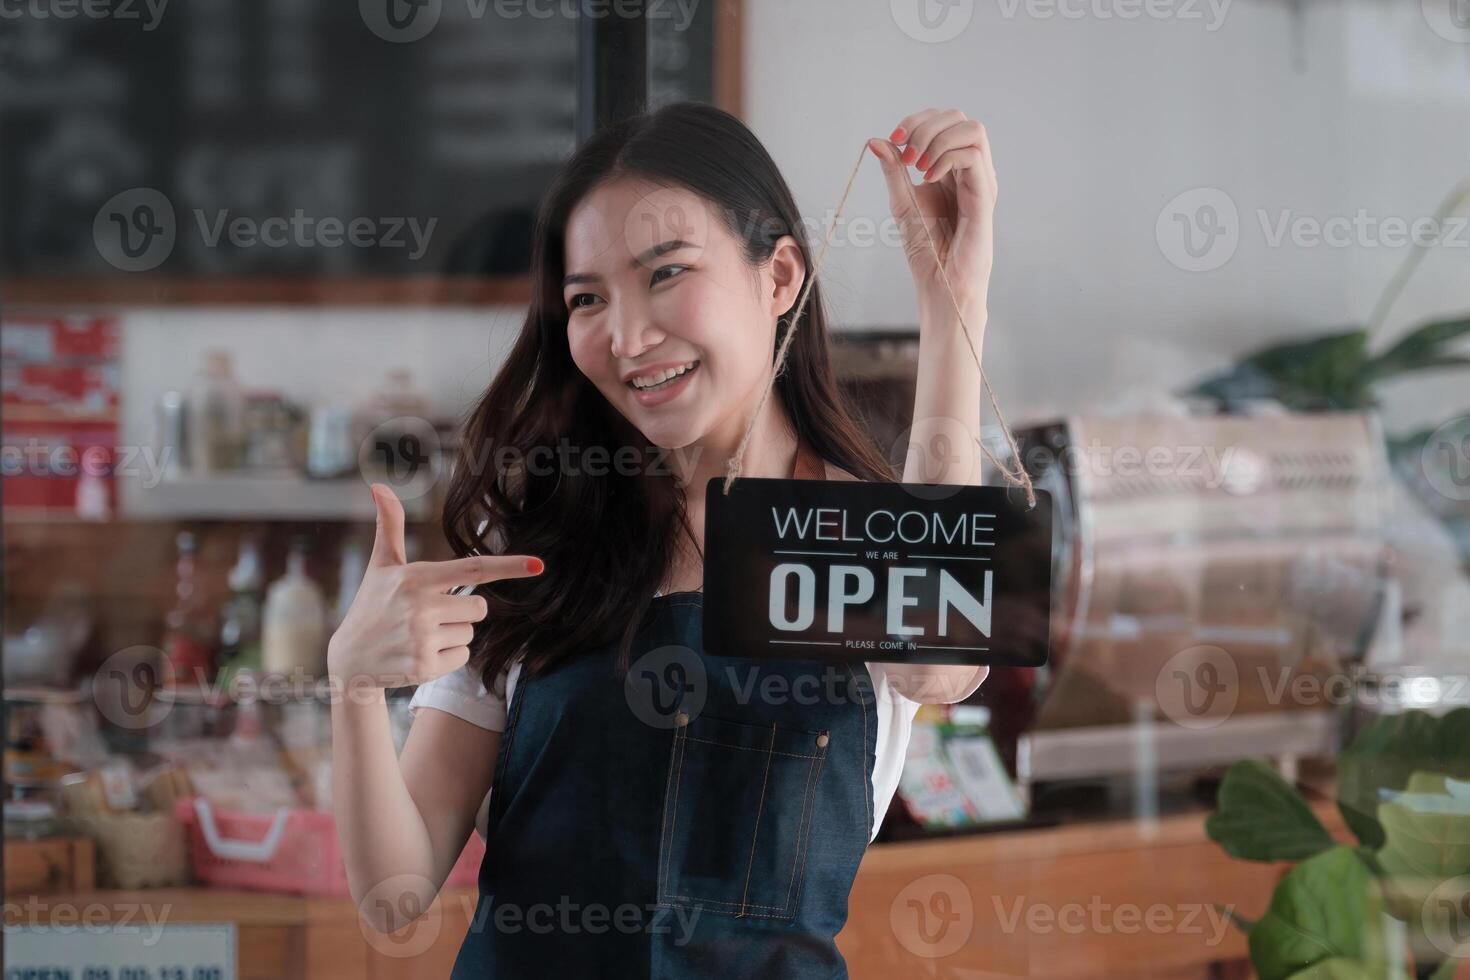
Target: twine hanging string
[1013, 471]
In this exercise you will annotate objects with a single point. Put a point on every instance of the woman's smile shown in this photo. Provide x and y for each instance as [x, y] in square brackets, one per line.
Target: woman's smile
[662, 391]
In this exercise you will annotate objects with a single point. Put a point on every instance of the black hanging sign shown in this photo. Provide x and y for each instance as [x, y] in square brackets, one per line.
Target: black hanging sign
[897, 572]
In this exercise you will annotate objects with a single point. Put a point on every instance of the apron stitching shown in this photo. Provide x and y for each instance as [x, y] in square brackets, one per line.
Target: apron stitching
[760, 805]
[751, 748]
[676, 766]
[802, 871]
[780, 915]
[868, 782]
[805, 826]
[778, 909]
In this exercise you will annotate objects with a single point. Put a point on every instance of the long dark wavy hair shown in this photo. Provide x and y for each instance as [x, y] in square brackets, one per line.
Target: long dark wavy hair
[608, 538]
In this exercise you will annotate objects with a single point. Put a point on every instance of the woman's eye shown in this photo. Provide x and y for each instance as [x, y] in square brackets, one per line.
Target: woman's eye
[576, 301]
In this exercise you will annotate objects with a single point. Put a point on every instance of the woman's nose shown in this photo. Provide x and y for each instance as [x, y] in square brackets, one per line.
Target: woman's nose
[633, 332]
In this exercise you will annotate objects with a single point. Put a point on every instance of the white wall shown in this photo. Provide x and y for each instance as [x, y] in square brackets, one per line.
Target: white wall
[1097, 123]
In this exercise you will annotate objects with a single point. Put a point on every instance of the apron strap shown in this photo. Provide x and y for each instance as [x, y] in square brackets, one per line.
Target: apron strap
[809, 465]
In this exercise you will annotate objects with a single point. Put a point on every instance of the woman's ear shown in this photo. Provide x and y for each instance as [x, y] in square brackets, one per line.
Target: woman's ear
[787, 269]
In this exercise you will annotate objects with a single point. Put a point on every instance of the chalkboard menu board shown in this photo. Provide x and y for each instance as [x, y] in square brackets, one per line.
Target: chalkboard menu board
[275, 140]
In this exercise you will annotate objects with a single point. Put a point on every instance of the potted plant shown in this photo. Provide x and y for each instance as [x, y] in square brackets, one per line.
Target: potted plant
[1400, 895]
[1340, 369]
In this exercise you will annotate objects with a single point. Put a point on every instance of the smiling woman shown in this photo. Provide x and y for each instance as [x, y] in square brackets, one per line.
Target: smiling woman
[667, 260]
[668, 241]
[693, 304]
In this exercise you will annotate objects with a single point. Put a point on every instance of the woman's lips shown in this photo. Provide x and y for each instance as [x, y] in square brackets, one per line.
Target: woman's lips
[648, 399]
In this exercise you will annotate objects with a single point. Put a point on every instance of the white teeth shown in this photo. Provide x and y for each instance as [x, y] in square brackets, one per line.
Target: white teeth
[658, 378]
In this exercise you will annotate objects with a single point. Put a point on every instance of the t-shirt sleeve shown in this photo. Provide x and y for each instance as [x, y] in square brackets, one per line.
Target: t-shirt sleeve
[970, 688]
[463, 694]
[895, 724]
[939, 695]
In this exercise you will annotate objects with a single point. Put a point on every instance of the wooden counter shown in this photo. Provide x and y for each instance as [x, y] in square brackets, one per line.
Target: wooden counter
[1106, 900]
[1116, 899]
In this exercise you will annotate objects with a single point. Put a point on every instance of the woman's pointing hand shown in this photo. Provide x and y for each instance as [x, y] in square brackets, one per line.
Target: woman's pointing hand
[405, 625]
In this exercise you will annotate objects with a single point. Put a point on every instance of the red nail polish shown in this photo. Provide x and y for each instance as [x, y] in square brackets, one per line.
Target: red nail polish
[909, 153]
[535, 565]
[923, 162]
[898, 134]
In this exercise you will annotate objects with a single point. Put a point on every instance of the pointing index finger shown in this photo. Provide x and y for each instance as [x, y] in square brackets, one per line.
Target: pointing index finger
[481, 568]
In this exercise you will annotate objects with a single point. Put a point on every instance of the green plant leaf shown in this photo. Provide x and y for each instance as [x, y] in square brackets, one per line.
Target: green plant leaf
[1323, 372]
[1418, 348]
[1443, 361]
[1427, 829]
[1386, 753]
[1428, 840]
[1260, 817]
[1369, 857]
[1241, 922]
[1334, 371]
[1328, 907]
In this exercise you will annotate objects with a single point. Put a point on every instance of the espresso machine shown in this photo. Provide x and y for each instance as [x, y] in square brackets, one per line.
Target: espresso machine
[1215, 580]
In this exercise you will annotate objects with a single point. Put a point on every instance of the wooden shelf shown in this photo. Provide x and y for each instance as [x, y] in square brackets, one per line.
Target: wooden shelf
[226, 496]
[50, 416]
[160, 291]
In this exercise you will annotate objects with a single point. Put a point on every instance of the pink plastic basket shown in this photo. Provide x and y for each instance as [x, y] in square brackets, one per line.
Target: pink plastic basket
[291, 850]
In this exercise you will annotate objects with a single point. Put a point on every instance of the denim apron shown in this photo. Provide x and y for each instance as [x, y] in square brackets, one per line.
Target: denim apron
[700, 817]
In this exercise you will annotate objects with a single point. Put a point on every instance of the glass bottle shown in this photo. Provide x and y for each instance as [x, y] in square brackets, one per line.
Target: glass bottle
[396, 420]
[239, 635]
[216, 411]
[351, 570]
[189, 626]
[294, 631]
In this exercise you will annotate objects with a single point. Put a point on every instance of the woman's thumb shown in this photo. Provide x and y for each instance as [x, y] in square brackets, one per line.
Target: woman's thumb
[388, 547]
[895, 173]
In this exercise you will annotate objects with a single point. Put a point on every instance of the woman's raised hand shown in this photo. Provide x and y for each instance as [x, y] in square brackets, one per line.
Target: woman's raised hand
[405, 627]
[956, 199]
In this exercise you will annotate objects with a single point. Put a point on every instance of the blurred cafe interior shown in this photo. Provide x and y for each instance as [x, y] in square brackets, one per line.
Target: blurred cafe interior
[257, 256]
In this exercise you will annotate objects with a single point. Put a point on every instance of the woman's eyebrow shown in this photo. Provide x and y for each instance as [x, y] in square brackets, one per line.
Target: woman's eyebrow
[642, 258]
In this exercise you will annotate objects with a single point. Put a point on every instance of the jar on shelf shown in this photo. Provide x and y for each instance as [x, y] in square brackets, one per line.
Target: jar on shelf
[216, 410]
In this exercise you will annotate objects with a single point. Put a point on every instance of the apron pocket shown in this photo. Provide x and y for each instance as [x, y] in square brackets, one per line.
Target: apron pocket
[737, 816]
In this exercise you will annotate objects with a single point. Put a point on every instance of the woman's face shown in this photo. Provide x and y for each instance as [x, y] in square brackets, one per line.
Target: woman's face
[657, 285]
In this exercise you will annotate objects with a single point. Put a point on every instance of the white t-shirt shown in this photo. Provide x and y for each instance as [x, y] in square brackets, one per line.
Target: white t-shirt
[463, 694]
